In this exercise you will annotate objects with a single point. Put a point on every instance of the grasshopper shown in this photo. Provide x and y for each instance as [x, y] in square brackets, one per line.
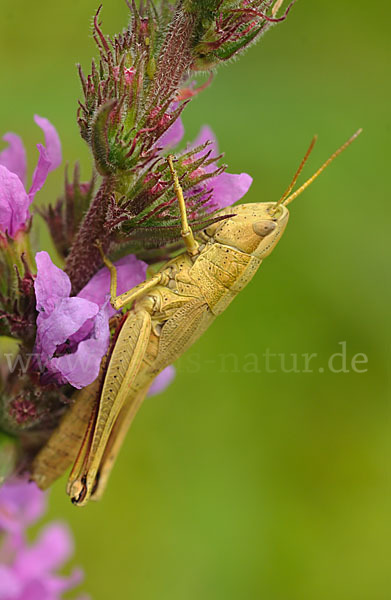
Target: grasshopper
[170, 311]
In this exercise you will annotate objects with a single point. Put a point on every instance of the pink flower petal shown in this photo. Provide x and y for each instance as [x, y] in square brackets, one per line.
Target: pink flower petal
[41, 172]
[27, 572]
[21, 504]
[130, 272]
[14, 157]
[51, 284]
[50, 157]
[82, 367]
[57, 585]
[172, 136]
[76, 328]
[53, 547]
[63, 322]
[162, 381]
[52, 141]
[35, 590]
[10, 585]
[207, 135]
[228, 189]
[14, 203]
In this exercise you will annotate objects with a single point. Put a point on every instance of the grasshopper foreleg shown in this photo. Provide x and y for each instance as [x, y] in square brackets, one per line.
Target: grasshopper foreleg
[187, 234]
[129, 297]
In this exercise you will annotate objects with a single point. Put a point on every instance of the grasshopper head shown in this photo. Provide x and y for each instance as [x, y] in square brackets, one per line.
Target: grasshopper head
[255, 229]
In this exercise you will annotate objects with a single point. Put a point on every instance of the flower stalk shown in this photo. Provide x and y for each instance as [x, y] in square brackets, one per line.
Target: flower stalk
[130, 117]
[84, 259]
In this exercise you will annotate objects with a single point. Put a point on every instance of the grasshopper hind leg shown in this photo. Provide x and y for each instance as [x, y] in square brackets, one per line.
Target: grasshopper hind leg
[115, 443]
[123, 368]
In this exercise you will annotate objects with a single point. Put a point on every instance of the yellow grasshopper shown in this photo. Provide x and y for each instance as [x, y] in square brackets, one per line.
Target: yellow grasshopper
[169, 313]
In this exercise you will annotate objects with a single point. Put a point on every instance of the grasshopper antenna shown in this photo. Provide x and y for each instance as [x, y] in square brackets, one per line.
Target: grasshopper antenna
[187, 234]
[289, 199]
[297, 174]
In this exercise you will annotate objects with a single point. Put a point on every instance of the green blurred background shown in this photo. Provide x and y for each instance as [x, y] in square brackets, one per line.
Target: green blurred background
[235, 484]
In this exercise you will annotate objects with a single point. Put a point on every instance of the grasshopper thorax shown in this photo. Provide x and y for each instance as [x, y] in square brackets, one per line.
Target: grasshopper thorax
[254, 229]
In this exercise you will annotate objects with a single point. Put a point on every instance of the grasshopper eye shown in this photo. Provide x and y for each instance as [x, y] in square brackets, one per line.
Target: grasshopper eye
[264, 228]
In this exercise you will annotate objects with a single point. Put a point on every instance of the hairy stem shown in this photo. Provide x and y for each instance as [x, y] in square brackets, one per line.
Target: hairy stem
[176, 55]
[85, 259]
[174, 61]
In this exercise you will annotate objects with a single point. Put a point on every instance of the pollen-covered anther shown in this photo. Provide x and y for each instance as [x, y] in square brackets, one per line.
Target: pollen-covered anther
[264, 228]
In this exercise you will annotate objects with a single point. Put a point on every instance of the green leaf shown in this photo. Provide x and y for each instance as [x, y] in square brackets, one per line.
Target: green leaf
[99, 141]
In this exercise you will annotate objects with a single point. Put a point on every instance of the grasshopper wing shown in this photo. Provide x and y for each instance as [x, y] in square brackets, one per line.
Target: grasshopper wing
[182, 329]
[62, 447]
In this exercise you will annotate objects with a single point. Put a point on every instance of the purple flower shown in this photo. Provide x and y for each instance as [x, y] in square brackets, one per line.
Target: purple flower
[27, 571]
[14, 198]
[227, 188]
[21, 504]
[174, 134]
[73, 333]
[14, 157]
[162, 381]
[130, 272]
